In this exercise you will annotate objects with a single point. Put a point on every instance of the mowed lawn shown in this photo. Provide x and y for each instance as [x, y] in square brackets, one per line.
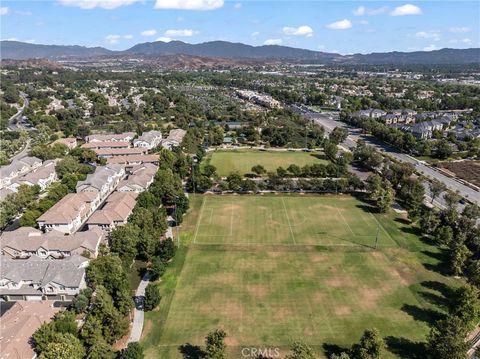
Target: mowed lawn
[242, 161]
[290, 220]
[267, 290]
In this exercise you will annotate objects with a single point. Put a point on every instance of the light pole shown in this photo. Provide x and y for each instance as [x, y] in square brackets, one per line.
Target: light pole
[177, 229]
[376, 237]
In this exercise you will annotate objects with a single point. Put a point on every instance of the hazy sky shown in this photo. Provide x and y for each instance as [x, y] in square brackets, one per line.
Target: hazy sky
[333, 26]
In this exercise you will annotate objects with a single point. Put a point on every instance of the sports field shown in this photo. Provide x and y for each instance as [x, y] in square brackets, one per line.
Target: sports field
[272, 269]
[242, 161]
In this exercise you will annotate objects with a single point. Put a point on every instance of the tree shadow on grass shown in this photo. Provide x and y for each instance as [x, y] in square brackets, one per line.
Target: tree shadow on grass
[440, 267]
[331, 349]
[440, 287]
[428, 316]
[406, 348]
[190, 351]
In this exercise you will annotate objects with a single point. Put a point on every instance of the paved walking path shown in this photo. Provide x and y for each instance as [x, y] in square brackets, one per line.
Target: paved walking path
[138, 314]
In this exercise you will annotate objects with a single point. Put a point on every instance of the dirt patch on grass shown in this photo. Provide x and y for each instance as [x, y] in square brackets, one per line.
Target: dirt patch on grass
[368, 297]
[232, 310]
[283, 313]
[319, 297]
[342, 310]
[317, 258]
[257, 290]
[340, 281]
[231, 341]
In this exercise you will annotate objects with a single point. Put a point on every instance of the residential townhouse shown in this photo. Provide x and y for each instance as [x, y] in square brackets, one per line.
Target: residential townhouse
[26, 242]
[174, 139]
[133, 160]
[36, 278]
[105, 144]
[42, 176]
[114, 212]
[112, 152]
[123, 137]
[148, 140]
[18, 325]
[18, 168]
[139, 179]
[103, 180]
[68, 215]
[70, 142]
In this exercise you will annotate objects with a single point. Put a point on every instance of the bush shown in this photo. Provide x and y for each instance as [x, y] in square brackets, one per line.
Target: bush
[152, 296]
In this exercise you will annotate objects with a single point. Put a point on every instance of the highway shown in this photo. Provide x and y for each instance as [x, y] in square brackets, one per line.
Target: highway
[330, 120]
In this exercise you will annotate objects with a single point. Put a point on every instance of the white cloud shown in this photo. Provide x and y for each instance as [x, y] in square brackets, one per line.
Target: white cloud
[189, 4]
[273, 42]
[340, 25]
[466, 41]
[237, 6]
[359, 11]
[164, 39]
[303, 30]
[362, 10]
[10, 39]
[458, 30]
[91, 4]
[113, 39]
[256, 33]
[180, 33]
[30, 41]
[363, 22]
[148, 32]
[321, 47]
[434, 35]
[3, 10]
[128, 37]
[430, 47]
[407, 9]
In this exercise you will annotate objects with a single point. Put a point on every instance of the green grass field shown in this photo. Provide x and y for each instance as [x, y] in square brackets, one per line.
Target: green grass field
[272, 269]
[242, 161]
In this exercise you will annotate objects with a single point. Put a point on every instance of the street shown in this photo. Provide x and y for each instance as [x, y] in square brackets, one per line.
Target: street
[330, 120]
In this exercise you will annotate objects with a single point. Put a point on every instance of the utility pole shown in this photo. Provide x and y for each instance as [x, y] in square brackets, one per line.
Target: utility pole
[376, 237]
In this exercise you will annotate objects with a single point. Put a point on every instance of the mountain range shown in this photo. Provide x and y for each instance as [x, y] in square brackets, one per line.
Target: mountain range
[16, 50]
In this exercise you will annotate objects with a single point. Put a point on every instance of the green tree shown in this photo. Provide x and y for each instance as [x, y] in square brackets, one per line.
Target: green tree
[465, 304]
[447, 339]
[65, 322]
[91, 332]
[63, 346]
[133, 351]
[101, 350]
[43, 336]
[158, 268]
[152, 296]
[166, 250]
[436, 188]
[370, 346]
[300, 350]
[259, 170]
[458, 255]
[215, 347]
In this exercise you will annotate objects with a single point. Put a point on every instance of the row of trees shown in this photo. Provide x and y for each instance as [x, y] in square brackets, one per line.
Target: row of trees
[455, 233]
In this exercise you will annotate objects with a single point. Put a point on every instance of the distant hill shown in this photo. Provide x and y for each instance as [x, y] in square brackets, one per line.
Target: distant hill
[231, 50]
[228, 50]
[17, 50]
